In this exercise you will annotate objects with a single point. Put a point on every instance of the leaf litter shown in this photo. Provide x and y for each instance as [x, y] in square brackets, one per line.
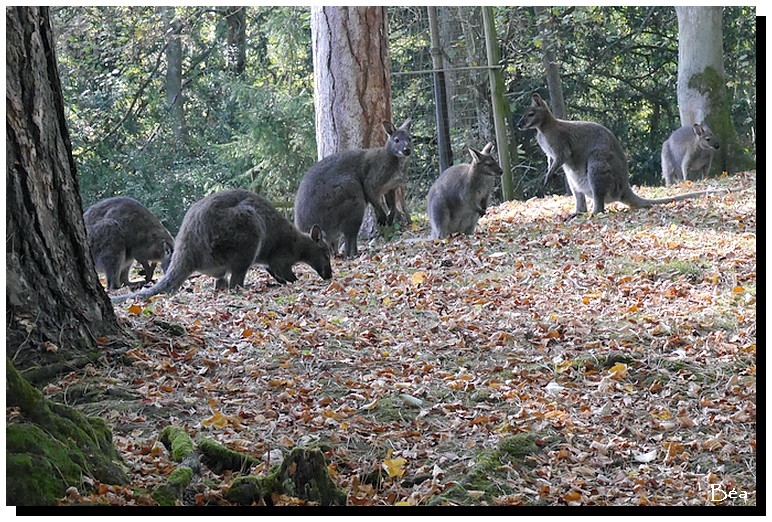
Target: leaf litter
[605, 360]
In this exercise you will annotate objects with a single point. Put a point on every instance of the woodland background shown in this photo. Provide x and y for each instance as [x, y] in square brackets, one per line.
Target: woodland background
[247, 113]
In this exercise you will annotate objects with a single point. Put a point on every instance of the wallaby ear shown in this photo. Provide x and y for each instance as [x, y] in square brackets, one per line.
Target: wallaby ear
[536, 100]
[474, 153]
[406, 124]
[488, 148]
[316, 233]
[697, 129]
[389, 127]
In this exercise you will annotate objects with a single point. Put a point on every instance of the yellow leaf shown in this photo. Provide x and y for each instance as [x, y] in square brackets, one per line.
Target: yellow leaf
[738, 289]
[394, 467]
[418, 277]
[135, 309]
[246, 333]
[618, 371]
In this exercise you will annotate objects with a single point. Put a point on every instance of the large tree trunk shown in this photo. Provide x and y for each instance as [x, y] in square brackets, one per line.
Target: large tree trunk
[174, 96]
[352, 84]
[701, 85]
[56, 308]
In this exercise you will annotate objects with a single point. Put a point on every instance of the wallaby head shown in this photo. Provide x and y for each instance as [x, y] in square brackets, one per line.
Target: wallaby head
[536, 115]
[483, 163]
[400, 141]
[705, 138]
[314, 251]
[591, 157]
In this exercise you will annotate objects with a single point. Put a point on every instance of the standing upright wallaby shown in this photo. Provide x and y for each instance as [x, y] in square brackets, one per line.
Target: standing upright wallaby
[229, 231]
[688, 153]
[120, 230]
[592, 158]
[459, 197]
[336, 190]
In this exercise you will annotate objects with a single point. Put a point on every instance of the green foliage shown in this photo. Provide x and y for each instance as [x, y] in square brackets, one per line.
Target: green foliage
[255, 129]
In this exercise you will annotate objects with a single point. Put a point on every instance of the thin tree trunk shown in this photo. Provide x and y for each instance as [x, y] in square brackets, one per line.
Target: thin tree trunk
[236, 54]
[174, 97]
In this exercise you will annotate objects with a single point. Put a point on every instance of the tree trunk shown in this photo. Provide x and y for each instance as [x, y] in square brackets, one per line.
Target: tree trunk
[352, 82]
[236, 53]
[701, 86]
[174, 97]
[56, 306]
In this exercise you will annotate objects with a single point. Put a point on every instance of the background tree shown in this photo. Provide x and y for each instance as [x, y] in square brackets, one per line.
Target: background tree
[701, 85]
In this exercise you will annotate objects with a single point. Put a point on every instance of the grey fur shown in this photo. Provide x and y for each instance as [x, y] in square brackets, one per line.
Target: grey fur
[688, 153]
[121, 230]
[227, 232]
[592, 158]
[459, 197]
[335, 191]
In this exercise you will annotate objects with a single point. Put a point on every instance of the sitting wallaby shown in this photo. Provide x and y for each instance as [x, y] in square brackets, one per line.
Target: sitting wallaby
[227, 232]
[459, 197]
[120, 230]
[592, 158]
[336, 190]
[688, 153]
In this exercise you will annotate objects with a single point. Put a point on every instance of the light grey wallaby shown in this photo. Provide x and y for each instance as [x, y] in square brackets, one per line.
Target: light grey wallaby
[229, 231]
[688, 153]
[334, 193]
[592, 158]
[121, 230]
[459, 197]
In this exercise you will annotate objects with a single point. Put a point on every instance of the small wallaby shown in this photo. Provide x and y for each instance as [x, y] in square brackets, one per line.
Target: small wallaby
[229, 231]
[459, 197]
[121, 230]
[688, 153]
[334, 193]
[592, 158]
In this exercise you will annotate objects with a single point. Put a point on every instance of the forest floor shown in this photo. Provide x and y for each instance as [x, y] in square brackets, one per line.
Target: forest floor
[605, 360]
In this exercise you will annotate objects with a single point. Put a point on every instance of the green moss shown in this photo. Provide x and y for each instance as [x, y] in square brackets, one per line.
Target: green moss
[169, 493]
[178, 442]
[219, 458]
[246, 491]
[304, 475]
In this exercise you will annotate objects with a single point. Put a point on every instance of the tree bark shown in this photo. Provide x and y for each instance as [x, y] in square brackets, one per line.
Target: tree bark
[56, 308]
[701, 85]
[236, 53]
[352, 83]
[175, 99]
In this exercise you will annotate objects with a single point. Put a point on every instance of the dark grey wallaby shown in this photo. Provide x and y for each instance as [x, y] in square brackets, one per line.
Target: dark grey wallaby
[335, 191]
[121, 230]
[592, 158]
[688, 153]
[459, 197]
[229, 231]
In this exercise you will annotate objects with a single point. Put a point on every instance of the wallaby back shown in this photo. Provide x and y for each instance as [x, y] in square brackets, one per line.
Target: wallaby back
[592, 158]
[121, 230]
[688, 153]
[225, 233]
[334, 193]
[459, 197]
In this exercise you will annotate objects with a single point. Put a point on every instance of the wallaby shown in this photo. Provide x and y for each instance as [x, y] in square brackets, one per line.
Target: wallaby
[592, 158]
[688, 153]
[229, 231]
[459, 197]
[336, 190]
[121, 230]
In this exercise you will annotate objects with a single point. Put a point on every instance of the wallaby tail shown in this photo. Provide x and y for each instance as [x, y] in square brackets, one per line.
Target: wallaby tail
[633, 200]
[170, 282]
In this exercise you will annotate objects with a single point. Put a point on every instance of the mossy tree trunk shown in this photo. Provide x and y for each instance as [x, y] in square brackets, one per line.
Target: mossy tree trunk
[56, 307]
[702, 93]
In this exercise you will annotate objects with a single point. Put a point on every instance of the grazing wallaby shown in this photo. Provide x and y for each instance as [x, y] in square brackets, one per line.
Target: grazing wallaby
[227, 232]
[460, 195]
[336, 190]
[688, 153]
[120, 230]
[592, 158]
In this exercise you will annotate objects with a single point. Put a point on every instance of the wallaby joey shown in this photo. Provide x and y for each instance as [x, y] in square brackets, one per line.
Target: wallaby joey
[592, 158]
[335, 191]
[227, 232]
[121, 230]
[688, 153]
[460, 195]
